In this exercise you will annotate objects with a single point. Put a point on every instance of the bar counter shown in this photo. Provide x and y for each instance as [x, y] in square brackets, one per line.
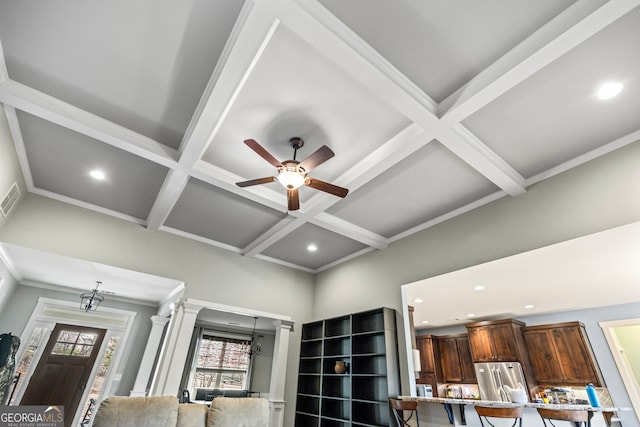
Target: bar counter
[434, 416]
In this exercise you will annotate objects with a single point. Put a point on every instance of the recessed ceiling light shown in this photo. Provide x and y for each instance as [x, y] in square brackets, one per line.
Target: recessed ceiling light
[471, 315]
[97, 174]
[478, 288]
[312, 247]
[528, 306]
[425, 321]
[609, 90]
[418, 300]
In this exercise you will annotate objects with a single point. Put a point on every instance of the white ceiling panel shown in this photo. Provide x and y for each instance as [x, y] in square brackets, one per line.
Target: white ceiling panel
[293, 91]
[206, 211]
[331, 247]
[426, 185]
[61, 160]
[555, 115]
[144, 64]
[440, 45]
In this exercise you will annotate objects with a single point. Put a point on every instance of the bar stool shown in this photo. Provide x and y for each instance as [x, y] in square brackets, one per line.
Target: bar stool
[577, 416]
[487, 412]
[400, 407]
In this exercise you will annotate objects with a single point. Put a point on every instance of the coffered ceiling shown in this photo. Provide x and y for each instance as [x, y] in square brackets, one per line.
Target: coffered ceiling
[432, 108]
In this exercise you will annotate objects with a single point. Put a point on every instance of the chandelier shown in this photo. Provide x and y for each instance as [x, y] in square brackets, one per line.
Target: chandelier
[254, 345]
[89, 301]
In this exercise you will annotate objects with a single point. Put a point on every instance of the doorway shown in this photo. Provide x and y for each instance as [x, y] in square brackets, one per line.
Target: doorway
[103, 378]
[621, 335]
[63, 371]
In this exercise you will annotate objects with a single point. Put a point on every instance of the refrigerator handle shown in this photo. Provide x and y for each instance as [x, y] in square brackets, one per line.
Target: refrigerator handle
[500, 386]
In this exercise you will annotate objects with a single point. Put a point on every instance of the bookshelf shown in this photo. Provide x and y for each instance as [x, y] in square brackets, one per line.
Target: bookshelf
[366, 341]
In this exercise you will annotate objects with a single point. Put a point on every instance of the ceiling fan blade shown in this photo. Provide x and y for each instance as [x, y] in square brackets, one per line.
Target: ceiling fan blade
[293, 200]
[262, 152]
[326, 187]
[318, 157]
[256, 181]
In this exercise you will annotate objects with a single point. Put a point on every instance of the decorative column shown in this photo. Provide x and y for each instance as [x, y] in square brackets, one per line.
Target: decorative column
[174, 353]
[150, 352]
[279, 373]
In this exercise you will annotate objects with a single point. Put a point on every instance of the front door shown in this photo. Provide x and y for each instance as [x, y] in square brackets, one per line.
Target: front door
[64, 368]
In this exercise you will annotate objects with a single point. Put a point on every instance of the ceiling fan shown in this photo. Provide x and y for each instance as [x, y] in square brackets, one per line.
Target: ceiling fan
[292, 174]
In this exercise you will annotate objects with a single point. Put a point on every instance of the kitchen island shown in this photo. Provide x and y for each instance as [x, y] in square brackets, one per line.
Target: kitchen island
[443, 412]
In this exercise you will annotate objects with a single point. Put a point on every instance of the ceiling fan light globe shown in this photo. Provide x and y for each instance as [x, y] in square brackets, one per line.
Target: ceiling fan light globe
[290, 180]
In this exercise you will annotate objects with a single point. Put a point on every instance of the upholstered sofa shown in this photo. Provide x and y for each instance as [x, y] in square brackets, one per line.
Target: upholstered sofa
[165, 411]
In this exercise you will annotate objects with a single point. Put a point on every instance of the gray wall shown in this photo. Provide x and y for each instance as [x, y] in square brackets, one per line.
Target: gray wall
[24, 299]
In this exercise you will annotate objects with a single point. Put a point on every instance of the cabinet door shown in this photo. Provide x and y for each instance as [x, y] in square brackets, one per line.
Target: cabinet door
[430, 378]
[540, 346]
[425, 346]
[480, 343]
[504, 343]
[450, 359]
[466, 361]
[573, 357]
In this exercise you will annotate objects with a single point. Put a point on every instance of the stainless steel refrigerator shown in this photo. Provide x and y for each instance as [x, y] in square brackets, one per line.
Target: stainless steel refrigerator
[496, 381]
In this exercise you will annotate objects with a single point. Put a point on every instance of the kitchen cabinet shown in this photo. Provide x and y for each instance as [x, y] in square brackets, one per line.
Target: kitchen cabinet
[366, 342]
[429, 357]
[561, 354]
[496, 341]
[455, 359]
[501, 341]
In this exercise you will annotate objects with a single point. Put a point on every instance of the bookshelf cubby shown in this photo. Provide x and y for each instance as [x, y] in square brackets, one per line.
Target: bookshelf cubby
[366, 342]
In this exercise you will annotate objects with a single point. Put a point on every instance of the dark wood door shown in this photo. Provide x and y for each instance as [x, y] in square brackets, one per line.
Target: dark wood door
[504, 343]
[456, 360]
[425, 346]
[466, 361]
[64, 368]
[573, 357]
[542, 353]
[481, 346]
[450, 359]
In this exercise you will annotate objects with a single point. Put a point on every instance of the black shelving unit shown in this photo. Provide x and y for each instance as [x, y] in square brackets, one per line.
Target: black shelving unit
[359, 397]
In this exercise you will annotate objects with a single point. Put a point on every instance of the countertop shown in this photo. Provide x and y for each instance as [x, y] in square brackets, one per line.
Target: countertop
[475, 402]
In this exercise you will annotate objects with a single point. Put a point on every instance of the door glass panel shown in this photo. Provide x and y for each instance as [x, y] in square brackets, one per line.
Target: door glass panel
[96, 387]
[72, 343]
[27, 357]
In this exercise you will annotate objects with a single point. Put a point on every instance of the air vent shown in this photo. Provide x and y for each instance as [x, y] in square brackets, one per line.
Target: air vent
[9, 200]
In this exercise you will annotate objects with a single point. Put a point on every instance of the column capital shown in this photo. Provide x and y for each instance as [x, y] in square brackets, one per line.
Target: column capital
[186, 305]
[284, 324]
[159, 320]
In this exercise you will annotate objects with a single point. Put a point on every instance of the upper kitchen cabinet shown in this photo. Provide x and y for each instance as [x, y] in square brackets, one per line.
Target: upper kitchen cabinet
[455, 357]
[496, 341]
[429, 362]
[561, 354]
[425, 344]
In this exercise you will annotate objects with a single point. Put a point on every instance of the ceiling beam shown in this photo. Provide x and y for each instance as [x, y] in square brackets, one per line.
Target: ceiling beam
[315, 24]
[251, 34]
[574, 25]
[64, 114]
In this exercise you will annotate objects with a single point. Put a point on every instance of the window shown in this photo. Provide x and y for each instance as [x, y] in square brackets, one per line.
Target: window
[221, 362]
[74, 343]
